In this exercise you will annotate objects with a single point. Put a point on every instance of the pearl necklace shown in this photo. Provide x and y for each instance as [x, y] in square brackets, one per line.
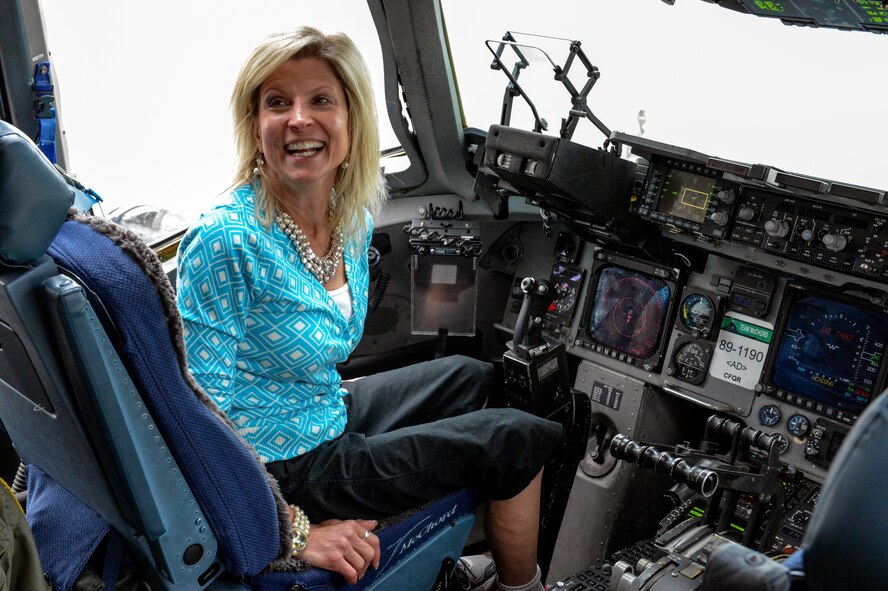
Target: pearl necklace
[321, 267]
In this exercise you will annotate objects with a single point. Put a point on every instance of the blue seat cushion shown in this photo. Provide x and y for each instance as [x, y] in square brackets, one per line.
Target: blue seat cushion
[231, 485]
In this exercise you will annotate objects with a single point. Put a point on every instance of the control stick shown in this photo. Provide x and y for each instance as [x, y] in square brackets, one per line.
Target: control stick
[528, 337]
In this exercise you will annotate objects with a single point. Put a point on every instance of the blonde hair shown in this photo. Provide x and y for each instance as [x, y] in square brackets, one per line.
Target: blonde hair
[360, 186]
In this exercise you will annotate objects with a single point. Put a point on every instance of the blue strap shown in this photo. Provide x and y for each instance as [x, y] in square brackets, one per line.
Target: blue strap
[47, 130]
[44, 110]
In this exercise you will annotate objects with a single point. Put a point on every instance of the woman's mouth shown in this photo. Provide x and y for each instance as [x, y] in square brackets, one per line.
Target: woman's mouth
[304, 149]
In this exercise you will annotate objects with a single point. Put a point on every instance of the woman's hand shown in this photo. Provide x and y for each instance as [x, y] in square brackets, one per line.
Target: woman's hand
[340, 546]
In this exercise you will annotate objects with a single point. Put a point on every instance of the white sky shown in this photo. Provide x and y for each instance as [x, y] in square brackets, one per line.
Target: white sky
[144, 87]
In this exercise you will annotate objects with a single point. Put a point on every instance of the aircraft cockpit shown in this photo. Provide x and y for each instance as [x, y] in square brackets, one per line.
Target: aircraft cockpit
[705, 314]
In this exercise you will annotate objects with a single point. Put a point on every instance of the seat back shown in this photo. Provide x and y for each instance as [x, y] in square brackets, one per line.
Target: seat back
[97, 399]
[182, 447]
[845, 545]
[94, 395]
[36, 410]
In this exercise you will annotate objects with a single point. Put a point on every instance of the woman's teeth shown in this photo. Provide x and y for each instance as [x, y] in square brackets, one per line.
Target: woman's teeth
[304, 149]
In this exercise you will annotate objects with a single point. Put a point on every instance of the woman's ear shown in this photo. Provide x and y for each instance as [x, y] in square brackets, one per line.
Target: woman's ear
[257, 134]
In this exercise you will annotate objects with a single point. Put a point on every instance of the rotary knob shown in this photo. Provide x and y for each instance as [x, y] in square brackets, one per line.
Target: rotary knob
[746, 213]
[727, 196]
[719, 218]
[776, 229]
[835, 242]
[807, 234]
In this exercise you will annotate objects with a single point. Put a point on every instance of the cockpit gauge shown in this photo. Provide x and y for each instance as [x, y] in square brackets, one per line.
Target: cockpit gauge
[690, 360]
[697, 314]
[782, 441]
[567, 297]
[769, 415]
[798, 425]
[566, 280]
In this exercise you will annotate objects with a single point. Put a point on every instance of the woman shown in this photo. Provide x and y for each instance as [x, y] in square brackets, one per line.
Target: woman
[267, 318]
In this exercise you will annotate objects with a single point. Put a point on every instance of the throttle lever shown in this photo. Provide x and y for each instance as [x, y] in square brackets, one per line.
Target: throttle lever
[648, 456]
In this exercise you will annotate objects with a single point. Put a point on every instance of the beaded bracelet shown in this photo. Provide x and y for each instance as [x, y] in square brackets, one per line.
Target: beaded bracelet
[298, 531]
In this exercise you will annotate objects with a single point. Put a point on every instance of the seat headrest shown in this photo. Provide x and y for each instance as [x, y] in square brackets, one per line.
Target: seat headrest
[34, 198]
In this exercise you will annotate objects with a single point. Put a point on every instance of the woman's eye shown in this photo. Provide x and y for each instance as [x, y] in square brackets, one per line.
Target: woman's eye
[275, 102]
[323, 100]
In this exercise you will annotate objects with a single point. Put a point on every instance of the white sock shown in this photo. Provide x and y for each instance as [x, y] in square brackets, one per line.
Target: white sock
[532, 585]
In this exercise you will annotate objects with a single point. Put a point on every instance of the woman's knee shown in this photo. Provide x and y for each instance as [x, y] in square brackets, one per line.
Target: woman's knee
[538, 435]
[470, 378]
[474, 368]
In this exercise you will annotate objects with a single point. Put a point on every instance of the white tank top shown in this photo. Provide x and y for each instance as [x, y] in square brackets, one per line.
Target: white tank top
[343, 298]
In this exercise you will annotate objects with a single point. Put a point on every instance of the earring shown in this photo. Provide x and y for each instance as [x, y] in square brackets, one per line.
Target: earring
[257, 170]
[344, 165]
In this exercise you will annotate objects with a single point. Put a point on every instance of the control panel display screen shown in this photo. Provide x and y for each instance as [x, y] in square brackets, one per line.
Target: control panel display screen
[831, 352]
[629, 311]
[686, 195]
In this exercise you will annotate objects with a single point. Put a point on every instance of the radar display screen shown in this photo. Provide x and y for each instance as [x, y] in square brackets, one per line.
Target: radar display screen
[686, 195]
[629, 311]
[831, 352]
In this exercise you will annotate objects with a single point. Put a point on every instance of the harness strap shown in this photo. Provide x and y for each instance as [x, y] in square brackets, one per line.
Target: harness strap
[44, 110]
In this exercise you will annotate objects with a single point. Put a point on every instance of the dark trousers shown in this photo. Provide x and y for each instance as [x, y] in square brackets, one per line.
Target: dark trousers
[413, 435]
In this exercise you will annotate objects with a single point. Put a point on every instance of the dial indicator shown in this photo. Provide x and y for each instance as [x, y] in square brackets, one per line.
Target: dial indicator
[798, 425]
[690, 360]
[782, 441]
[696, 313]
[769, 415]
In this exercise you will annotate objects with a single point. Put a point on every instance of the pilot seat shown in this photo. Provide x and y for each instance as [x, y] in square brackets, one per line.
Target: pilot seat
[125, 453]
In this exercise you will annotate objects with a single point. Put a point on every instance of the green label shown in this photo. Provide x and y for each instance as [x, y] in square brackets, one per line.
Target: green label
[745, 329]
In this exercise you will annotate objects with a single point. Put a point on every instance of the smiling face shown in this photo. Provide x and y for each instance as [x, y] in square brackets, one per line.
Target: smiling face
[302, 127]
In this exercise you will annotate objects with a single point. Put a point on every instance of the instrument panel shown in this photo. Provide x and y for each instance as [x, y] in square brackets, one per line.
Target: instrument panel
[733, 290]
[813, 222]
[784, 323]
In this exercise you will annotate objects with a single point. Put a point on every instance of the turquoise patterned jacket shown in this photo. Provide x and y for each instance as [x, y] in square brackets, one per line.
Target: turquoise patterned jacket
[262, 335]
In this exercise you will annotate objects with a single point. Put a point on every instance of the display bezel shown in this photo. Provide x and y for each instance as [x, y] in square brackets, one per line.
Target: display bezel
[669, 276]
[794, 293]
[677, 202]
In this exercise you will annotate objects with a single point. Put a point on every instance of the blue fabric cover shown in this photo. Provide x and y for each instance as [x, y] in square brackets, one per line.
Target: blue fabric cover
[65, 530]
[223, 474]
[396, 542]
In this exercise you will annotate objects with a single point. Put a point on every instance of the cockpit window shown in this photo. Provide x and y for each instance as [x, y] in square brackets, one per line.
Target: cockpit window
[145, 90]
[693, 75]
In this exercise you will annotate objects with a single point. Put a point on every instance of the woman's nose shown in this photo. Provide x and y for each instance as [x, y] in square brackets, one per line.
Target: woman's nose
[300, 116]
